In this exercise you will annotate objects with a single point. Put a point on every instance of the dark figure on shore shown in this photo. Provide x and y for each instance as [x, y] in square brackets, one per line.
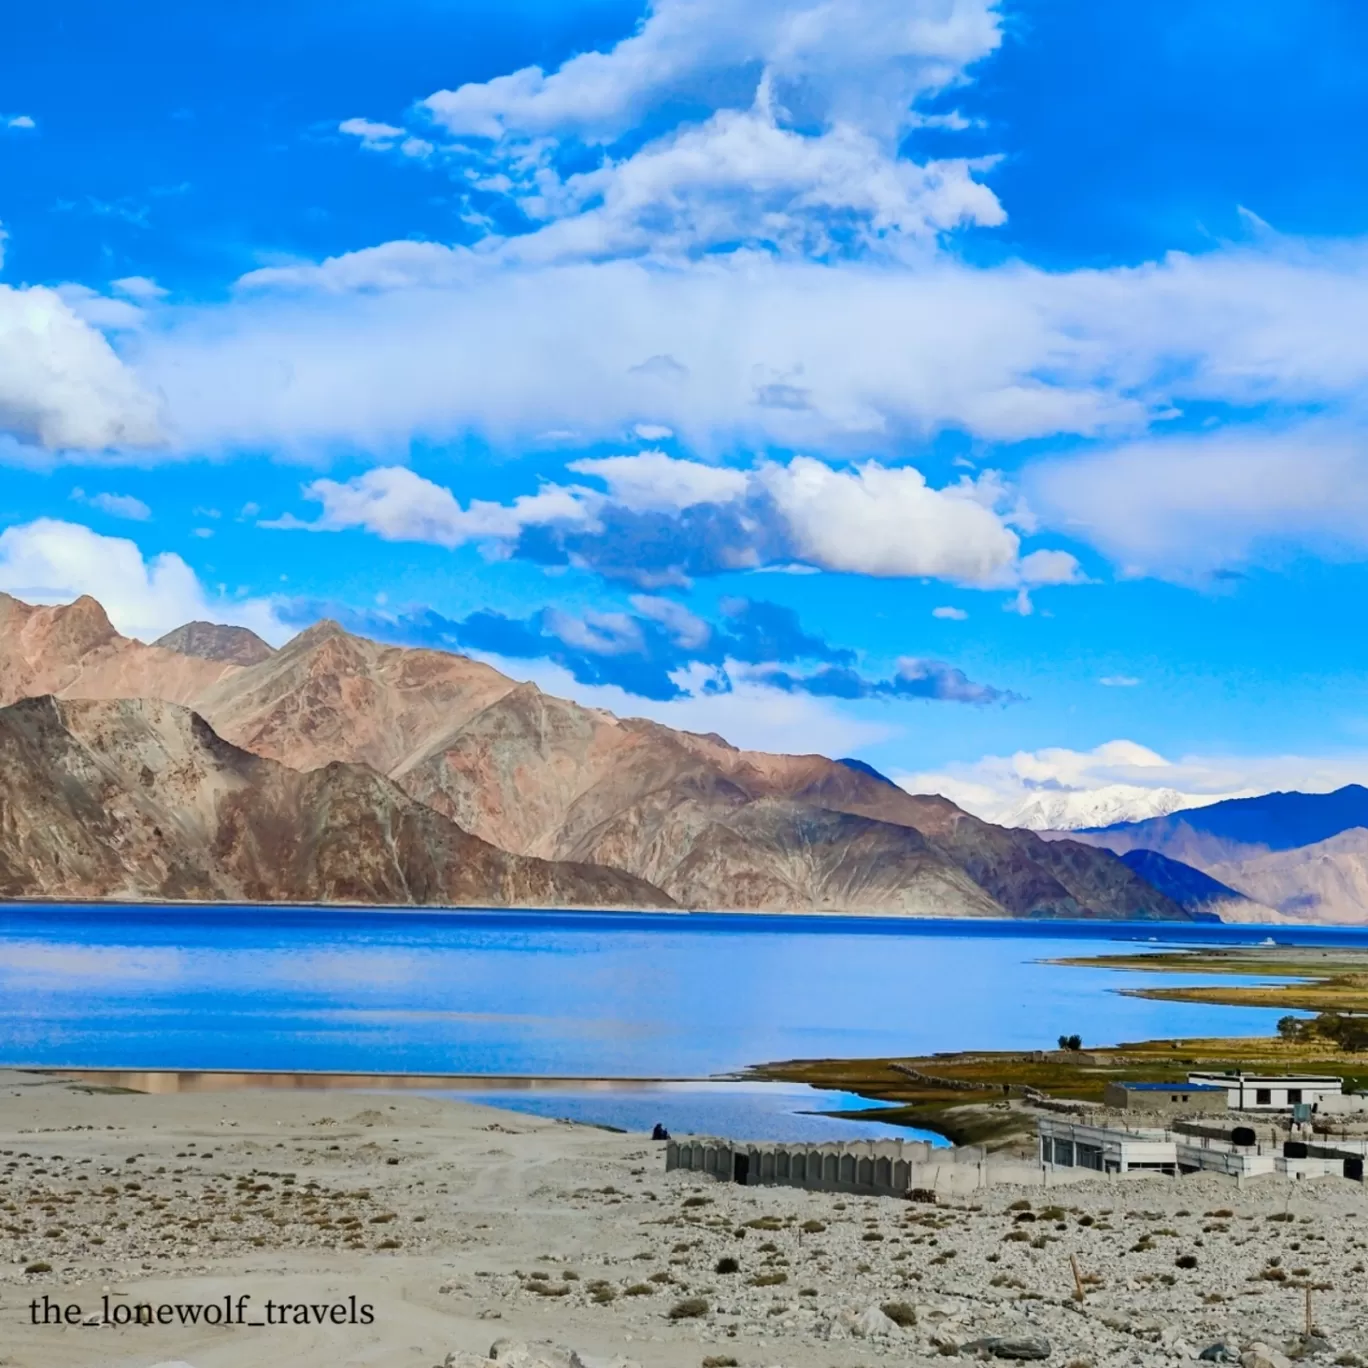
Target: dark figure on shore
[660, 1133]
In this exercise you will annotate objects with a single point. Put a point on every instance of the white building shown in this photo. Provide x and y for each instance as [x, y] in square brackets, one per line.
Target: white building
[1106, 1149]
[1116, 1150]
[1270, 1092]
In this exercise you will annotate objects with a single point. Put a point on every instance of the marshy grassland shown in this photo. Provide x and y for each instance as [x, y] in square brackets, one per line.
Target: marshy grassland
[992, 1097]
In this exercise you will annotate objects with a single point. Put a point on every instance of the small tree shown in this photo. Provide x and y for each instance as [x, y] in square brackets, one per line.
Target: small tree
[1291, 1028]
[1071, 1042]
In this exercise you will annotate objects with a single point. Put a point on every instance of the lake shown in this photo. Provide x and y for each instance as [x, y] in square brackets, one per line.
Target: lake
[573, 996]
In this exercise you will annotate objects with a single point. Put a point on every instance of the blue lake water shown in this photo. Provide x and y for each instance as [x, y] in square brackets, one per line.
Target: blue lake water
[567, 995]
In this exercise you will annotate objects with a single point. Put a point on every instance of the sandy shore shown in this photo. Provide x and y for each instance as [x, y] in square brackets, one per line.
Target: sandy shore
[452, 1225]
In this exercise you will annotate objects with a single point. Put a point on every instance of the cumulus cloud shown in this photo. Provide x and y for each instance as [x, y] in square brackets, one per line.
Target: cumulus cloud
[950, 614]
[861, 61]
[20, 123]
[61, 384]
[877, 521]
[398, 505]
[664, 519]
[49, 561]
[796, 111]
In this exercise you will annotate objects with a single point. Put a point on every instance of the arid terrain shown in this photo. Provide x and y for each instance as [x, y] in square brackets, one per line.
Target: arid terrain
[461, 1225]
[395, 742]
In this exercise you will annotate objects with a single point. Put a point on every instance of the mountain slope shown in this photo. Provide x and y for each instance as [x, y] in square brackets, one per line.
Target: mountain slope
[74, 650]
[1323, 882]
[140, 799]
[1239, 828]
[1198, 892]
[542, 777]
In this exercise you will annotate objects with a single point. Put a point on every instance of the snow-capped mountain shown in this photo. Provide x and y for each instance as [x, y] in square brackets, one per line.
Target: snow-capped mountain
[1068, 810]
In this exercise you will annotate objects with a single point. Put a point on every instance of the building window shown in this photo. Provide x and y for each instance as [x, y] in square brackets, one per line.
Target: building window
[1294, 1095]
[1263, 1097]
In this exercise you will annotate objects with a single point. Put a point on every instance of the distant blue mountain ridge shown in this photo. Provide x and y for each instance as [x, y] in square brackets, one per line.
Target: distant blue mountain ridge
[1275, 821]
[1191, 889]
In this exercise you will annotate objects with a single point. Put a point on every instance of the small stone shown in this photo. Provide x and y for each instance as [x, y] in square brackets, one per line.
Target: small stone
[1261, 1356]
[1012, 1346]
[1219, 1353]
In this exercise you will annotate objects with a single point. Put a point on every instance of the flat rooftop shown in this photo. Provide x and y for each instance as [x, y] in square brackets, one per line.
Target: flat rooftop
[1172, 1087]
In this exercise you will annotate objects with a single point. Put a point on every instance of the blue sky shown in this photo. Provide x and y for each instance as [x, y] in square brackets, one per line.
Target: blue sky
[972, 387]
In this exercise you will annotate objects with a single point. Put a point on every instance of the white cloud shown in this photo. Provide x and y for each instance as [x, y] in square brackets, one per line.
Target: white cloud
[61, 383]
[950, 614]
[398, 505]
[877, 521]
[871, 520]
[1123, 776]
[141, 289]
[415, 339]
[651, 480]
[792, 139]
[100, 311]
[1050, 567]
[21, 122]
[598, 633]
[856, 61]
[116, 505]
[1197, 502]
[741, 177]
[390, 266]
[652, 432]
[49, 561]
[1119, 681]
[686, 629]
[371, 134]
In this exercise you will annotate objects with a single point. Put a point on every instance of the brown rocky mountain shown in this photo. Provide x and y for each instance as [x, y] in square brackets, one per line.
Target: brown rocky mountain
[213, 641]
[140, 799]
[538, 776]
[1324, 882]
[73, 650]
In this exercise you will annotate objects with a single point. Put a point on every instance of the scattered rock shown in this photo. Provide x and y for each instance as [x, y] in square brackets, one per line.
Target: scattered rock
[1220, 1352]
[1011, 1346]
[1261, 1356]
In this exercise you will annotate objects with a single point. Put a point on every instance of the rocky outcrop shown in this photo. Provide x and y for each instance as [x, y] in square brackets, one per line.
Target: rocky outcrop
[214, 641]
[538, 776]
[140, 799]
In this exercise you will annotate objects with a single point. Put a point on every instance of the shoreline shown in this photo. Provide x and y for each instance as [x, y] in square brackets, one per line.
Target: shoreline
[1198, 931]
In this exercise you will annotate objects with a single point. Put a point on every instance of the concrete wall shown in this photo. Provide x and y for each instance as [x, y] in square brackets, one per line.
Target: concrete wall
[879, 1168]
[1341, 1104]
[871, 1168]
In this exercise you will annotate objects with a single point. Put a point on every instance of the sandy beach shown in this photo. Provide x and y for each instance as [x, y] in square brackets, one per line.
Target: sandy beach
[405, 1230]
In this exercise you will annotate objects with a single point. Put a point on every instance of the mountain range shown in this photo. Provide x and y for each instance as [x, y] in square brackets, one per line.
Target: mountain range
[1305, 855]
[209, 765]
[1084, 809]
